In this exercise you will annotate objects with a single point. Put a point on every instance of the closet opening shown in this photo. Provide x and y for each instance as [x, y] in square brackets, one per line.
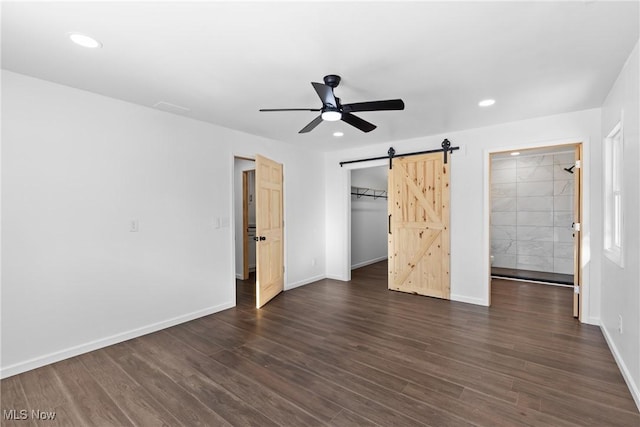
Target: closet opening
[369, 215]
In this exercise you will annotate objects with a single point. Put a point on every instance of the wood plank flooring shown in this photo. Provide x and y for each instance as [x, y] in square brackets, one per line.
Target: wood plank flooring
[346, 354]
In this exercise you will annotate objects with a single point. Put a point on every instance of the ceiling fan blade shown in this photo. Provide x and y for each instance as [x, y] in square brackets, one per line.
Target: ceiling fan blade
[290, 109]
[308, 128]
[356, 121]
[389, 104]
[326, 94]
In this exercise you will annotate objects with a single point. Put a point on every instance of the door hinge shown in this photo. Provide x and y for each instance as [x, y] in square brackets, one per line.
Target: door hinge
[576, 226]
[578, 164]
[576, 289]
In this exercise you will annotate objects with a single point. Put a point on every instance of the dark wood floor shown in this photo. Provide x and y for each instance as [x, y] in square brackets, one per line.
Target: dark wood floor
[347, 354]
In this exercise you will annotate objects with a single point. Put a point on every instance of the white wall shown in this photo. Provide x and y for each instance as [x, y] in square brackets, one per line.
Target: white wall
[470, 197]
[368, 218]
[76, 169]
[620, 286]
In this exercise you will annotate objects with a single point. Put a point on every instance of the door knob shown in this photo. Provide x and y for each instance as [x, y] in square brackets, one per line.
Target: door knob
[257, 238]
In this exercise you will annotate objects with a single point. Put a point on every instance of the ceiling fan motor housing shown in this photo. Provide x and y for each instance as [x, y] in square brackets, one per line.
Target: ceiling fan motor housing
[332, 80]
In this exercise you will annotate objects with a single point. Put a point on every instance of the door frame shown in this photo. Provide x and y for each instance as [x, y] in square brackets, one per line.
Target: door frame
[584, 198]
[346, 169]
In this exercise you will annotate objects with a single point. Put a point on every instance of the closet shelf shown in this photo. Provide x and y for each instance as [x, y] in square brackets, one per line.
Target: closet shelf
[368, 192]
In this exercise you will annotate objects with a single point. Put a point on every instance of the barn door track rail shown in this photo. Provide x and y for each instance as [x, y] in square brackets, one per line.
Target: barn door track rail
[446, 149]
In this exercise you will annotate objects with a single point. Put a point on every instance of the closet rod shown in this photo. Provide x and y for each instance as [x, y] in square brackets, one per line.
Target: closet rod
[369, 195]
[363, 191]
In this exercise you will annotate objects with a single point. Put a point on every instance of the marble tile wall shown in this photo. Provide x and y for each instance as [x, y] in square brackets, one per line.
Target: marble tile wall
[532, 212]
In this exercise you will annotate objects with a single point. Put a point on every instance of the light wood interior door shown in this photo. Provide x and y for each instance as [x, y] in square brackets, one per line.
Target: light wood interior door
[419, 225]
[577, 232]
[269, 230]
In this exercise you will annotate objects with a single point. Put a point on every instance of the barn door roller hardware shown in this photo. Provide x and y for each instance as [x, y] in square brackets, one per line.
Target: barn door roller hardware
[446, 150]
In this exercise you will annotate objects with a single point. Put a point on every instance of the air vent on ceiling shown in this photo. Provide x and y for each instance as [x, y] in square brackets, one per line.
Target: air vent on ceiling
[171, 108]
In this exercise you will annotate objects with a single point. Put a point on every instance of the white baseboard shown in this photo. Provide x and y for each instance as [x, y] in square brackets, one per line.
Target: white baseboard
[591, 321]
[633, 387]
[77, 350]
[304, 282]
[368, 262]
[469, 300]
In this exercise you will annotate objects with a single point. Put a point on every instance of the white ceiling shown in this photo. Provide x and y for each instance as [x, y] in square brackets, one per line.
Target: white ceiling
[225, 60]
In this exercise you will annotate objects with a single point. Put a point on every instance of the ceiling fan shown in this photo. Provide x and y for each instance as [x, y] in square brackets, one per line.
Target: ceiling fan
[332, 110]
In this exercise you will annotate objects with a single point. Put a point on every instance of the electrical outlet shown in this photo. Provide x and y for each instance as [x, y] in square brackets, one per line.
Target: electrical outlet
[620, 323]
[134, 227]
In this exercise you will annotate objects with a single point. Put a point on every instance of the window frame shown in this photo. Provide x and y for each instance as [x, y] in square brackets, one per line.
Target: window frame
[614, 195]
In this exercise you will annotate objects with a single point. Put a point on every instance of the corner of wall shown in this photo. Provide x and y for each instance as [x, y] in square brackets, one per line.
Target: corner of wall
[626, 374]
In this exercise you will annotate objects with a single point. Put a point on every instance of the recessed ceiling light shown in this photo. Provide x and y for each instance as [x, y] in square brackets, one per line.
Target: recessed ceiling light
[338, 133]
[515, 153]
[84, 40]
[486, 102]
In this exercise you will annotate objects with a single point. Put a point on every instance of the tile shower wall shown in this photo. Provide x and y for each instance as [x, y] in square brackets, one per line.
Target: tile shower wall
[532, 212]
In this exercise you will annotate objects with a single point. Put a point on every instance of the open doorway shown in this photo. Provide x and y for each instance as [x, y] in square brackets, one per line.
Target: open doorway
[368, 216]
[535, 213]
[245, 231]
[261, 182]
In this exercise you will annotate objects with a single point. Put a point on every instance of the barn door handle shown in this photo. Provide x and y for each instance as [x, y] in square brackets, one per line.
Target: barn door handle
[389, 223]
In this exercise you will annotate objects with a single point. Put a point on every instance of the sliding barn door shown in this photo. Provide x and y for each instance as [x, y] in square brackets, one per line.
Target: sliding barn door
[269, 231]
[419, 225]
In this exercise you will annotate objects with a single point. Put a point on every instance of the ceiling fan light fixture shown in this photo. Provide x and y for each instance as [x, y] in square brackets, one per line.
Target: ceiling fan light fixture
[338, 134]
[331, 116]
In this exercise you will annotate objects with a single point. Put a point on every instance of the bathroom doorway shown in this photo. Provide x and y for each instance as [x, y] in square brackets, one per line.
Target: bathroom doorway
[535, 216]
